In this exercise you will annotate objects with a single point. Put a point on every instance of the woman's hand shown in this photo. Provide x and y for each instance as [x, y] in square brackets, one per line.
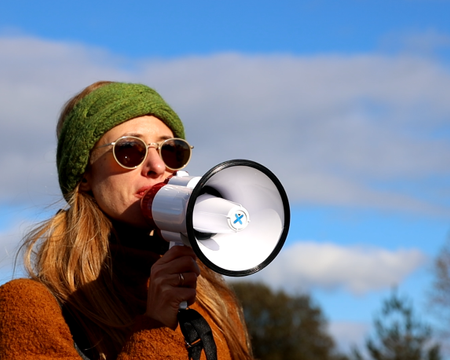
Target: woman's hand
[168, 289]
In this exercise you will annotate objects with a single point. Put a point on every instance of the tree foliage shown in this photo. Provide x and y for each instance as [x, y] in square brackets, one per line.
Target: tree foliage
[284, 327]
[440, 291]
[399, 335]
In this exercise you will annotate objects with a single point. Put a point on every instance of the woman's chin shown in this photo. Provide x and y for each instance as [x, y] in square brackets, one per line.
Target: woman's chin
[132, 218]
[139, 222]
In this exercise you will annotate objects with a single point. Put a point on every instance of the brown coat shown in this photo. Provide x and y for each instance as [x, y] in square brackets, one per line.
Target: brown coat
[32, 327]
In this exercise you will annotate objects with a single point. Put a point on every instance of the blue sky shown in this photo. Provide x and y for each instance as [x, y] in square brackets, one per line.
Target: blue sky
[142, 29]
[347, 102]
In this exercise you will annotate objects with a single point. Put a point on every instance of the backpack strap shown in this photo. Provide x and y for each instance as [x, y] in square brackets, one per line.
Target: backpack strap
[197, 334]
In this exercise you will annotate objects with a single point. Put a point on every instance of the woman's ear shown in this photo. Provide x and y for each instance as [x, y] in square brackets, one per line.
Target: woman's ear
[85, 185]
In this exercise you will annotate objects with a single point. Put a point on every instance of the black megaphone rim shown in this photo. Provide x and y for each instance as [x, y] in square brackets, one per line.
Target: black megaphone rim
[198, 190]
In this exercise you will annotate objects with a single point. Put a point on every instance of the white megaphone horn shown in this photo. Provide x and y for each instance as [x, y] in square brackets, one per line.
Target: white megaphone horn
[235, 217]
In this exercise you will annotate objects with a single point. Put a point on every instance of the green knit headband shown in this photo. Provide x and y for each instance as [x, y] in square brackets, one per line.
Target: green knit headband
[96, 114]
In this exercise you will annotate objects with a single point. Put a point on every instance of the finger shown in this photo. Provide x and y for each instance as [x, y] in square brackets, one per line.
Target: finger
[184, 264]
[186, 294]
[177, 252]
[182, 279]
[187, 280]
[171, 300]
[175, 295]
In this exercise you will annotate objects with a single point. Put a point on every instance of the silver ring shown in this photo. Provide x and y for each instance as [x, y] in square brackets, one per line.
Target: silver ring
[181, 279]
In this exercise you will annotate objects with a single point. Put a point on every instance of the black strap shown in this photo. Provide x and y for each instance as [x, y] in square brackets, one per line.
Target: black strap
[80, 352]
[197, 334]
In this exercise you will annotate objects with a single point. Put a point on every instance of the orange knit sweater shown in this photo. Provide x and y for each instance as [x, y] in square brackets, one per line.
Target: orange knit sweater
[32, 325]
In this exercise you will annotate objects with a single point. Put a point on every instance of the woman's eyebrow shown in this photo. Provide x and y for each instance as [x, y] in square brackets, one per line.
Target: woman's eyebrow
[141, 136]
[165, 137]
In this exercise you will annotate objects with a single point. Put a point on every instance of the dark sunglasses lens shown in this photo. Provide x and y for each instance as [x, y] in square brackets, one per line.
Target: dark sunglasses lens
[175, 154]
[130, 152]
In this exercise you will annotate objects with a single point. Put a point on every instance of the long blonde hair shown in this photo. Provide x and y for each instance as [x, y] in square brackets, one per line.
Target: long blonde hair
[70, 251]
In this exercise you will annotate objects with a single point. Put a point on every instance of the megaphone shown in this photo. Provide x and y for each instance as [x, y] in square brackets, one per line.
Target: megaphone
[235, 217]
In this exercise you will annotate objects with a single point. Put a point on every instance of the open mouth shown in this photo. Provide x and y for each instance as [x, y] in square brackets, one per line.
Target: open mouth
[141, 192]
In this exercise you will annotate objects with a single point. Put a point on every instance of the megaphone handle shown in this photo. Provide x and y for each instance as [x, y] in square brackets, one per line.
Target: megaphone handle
[175, 243]
[183, 305]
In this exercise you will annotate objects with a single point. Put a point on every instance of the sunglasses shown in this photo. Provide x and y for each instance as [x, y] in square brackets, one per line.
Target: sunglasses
[131, 151]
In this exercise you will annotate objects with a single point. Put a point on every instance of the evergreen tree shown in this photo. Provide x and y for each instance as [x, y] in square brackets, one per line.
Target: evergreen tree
[399, 335]
[440, 292]
[284, 327]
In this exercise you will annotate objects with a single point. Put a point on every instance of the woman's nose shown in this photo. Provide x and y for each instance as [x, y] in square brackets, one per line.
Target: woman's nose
[153, 165]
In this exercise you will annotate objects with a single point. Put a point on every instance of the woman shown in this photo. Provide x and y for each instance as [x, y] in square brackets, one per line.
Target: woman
[102, 284]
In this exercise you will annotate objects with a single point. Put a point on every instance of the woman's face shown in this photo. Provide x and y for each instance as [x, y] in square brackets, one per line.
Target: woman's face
[118, 191]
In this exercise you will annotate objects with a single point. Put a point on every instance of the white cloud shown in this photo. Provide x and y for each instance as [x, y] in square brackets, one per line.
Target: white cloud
[427, 42]
[307, 265]
[360, 131]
